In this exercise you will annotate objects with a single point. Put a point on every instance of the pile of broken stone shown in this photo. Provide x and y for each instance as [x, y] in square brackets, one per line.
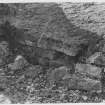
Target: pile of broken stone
[16, 70]
[89, 77]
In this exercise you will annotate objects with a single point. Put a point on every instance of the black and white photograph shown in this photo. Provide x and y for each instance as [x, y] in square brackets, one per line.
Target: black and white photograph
[52, 52]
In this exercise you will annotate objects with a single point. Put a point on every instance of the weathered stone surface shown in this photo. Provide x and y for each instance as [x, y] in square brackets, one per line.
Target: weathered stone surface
[93, 57]
[41, 52]
[57, 74]
[4, 52]
[57, 63]
[47, 26]
[100, 61]
[86, 15]
[33, 71]
[97, 59]
[82, 83]
[88, 69]
[43, 61]
[74, 81]
[52, 25]
[19, 63]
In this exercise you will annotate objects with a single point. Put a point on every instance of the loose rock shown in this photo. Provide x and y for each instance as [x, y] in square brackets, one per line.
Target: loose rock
[33, 71]
[93, 57]
[89, 70]
[81, 83]
[19, 63]
[57, 74]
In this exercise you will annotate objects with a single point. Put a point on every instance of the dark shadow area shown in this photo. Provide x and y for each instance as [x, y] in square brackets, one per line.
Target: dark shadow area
[11, 34]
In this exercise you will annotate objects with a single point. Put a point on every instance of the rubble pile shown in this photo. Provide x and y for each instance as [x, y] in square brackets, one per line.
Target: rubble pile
[46, 58]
